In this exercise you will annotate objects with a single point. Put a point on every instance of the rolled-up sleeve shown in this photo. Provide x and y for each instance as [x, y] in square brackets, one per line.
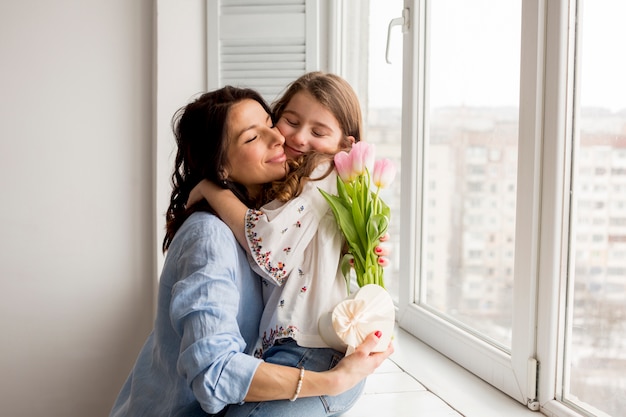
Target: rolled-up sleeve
[203, 311]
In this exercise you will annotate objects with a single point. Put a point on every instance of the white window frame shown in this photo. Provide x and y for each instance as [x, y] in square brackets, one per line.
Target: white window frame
[544, 155]
[552, 291]
[514, 373]
[545, 140]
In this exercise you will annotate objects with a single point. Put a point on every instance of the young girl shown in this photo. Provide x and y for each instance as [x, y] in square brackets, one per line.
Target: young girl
[294, 241]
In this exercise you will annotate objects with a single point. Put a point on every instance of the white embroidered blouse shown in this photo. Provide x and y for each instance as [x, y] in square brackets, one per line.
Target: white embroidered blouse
[297, 246]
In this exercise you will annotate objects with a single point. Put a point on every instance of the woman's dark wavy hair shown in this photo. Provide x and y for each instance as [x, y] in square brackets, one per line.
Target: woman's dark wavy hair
[201, 136]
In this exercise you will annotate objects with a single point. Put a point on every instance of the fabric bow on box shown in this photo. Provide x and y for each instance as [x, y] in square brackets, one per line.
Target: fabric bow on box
[369, 309]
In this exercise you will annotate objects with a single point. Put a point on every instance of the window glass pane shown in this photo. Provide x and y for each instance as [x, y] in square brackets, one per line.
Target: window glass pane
[383, 114]
[595, 369]
[472, 59]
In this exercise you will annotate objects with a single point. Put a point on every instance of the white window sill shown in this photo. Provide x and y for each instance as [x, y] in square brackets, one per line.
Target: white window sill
[462, 390]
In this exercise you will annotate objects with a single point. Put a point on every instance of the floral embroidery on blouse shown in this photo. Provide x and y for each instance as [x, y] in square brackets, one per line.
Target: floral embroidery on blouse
[258, 353]
[263, 259]
[278, 333]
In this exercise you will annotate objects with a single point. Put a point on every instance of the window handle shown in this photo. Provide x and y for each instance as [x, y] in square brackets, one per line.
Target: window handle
[398, 21]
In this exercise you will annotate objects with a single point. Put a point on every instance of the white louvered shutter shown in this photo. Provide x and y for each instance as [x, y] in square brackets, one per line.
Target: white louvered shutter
[262, 44]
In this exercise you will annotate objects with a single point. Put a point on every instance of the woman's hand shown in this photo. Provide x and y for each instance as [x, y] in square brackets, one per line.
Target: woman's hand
[278, 382]
[354, 368]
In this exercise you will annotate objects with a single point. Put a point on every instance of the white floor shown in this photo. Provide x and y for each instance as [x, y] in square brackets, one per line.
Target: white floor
[391, 392]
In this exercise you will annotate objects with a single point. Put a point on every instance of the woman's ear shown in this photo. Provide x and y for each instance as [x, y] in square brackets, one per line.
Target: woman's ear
[351, 139]
[223, 174]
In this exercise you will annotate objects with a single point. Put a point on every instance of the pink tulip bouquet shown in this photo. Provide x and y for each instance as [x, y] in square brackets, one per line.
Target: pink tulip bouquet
[362, 215]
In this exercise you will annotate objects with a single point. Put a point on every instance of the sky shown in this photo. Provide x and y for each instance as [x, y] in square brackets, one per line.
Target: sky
[603, 66]
[465, 41]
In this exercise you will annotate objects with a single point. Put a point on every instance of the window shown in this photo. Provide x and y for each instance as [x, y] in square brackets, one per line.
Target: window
[507, 120]
[383, 112]
[594, 363]
[461, 130]
[510, 258]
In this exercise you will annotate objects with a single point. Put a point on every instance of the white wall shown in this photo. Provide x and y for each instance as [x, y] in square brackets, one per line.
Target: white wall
[87, 92]
[77, 201]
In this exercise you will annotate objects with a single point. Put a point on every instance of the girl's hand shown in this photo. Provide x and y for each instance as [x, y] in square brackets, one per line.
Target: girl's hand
[227, 206]
[199, 192]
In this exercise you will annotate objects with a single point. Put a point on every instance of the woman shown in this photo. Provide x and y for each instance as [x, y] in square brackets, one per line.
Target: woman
[196, 359]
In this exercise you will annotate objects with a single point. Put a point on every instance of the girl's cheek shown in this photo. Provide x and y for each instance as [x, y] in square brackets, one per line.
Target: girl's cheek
[283, 128]
[290, 136]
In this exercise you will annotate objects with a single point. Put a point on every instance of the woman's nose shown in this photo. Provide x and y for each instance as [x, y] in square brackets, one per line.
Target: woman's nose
[277, 137]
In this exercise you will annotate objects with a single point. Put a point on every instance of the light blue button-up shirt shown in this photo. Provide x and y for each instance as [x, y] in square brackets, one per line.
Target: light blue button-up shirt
[208, 312]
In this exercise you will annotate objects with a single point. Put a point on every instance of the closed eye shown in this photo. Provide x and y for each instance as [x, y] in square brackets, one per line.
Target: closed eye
[291, 122]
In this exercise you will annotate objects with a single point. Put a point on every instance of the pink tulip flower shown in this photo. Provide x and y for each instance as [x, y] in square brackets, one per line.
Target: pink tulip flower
[385, 237]
[384, 173]
[343, 164]
[362, 155]
[383, 261]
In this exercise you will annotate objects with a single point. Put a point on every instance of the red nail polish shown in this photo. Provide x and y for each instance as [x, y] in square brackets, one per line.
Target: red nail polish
[378, 334]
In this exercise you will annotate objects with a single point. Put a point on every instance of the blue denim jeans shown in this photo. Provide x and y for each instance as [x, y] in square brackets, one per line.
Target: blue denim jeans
[287, 352]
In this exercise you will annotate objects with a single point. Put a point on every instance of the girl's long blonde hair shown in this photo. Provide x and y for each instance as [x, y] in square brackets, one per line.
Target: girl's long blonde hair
[336, 95]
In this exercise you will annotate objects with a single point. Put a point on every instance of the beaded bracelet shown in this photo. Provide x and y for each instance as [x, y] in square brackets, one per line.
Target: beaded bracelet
[299, 386]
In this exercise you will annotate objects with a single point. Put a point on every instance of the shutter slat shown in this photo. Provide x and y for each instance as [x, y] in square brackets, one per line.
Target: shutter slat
[266, 3]
[266, 47]
[239, 60]
[257, 67]
[262, 74]
[255, 9]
